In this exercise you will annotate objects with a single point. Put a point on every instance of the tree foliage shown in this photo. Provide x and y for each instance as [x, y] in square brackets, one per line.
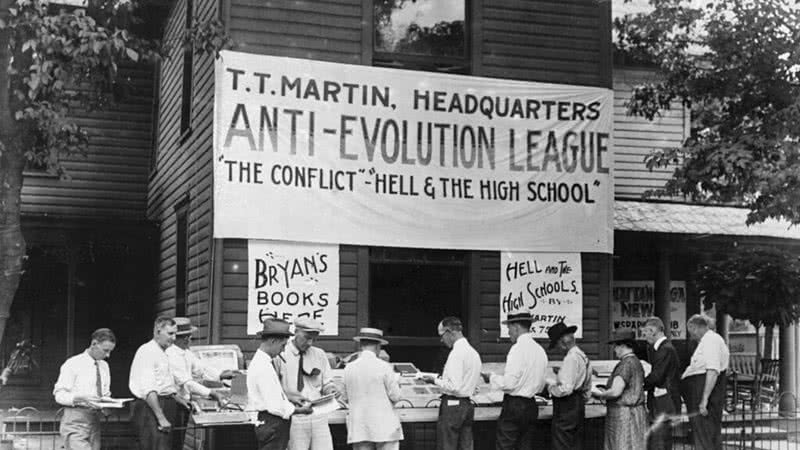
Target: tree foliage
[736, 64]
[760, 285]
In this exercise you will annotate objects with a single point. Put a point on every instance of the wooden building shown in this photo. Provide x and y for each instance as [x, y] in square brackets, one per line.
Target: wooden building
[90, 249]
[206, 278]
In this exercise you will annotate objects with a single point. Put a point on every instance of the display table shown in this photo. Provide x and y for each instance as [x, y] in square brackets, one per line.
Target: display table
[482, 414]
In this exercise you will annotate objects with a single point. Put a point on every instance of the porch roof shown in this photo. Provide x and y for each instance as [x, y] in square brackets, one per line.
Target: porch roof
[695, 219]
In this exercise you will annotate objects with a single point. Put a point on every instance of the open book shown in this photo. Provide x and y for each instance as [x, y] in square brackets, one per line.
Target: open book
[108, 402]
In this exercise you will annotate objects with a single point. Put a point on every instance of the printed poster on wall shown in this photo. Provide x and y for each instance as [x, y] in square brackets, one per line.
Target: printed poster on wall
[312, 151]
[548, 285]
[287, 280]
[634, 301]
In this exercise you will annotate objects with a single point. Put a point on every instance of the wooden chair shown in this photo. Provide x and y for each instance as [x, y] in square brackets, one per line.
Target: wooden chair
[766, 388]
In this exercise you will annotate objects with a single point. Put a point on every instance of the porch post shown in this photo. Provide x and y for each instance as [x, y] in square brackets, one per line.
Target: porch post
[788, 371]
[661, 285]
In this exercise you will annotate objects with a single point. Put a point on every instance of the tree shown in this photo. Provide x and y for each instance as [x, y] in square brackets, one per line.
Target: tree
[55, 59]
[759, 285]
[736, 64]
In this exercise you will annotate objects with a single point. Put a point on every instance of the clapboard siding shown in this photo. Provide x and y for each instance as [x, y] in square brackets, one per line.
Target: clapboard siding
[495, 349]
[548, 41]
[327, 30]
[110, 181]
[637, 137]
[234, 308]
[183, 170]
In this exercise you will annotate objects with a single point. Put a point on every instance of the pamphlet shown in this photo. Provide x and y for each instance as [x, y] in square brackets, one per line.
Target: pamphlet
[108, 402]
[325, 405]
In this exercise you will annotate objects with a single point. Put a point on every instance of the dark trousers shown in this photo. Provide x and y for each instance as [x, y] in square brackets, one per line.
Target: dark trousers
[454, 428]
[146, 424]
[273, 433]
[706, 430]
[567, 424]
[179, 424]
[517, 423]
[661, 435]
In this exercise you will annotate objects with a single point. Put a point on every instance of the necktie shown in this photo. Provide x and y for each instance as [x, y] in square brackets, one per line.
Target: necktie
[98, 380]
[277, 367]
[300, 382]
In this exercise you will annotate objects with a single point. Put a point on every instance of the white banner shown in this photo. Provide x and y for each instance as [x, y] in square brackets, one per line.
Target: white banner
[313, 151]
[548, 285]
[287, 280]
[633, 303]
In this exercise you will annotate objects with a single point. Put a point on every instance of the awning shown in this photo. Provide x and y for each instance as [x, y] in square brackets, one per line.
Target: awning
[695, 219]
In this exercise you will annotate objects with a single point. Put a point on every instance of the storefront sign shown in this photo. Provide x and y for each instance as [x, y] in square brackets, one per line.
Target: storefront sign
[289, 280]
[548, 285]
[633, 303]
[313, 151]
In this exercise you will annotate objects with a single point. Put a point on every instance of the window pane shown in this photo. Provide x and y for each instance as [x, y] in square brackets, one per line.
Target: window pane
[420, 27]
[410, 299]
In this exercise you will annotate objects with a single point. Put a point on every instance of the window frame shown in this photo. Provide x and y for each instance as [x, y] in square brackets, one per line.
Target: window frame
[182, 257]
[410, 256]
[426, 63]
[187, 83]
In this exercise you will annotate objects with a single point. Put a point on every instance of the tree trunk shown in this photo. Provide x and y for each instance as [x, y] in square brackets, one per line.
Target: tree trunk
[12, 243]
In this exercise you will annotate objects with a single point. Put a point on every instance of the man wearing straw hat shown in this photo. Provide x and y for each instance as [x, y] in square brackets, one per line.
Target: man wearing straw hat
[265, 394]
[371, 388]
[187, 370]
[307, 373]
[524, 377]
[569, 389]
[83, 380]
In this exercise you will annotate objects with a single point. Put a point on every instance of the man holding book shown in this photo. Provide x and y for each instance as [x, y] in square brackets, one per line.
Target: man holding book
[82, 382]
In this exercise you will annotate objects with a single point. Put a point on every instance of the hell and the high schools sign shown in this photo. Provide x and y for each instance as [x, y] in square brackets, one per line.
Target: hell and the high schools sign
[313, 151]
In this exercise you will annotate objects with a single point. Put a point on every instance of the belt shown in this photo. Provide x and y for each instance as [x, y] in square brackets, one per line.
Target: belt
[453, 397]
[519, 397]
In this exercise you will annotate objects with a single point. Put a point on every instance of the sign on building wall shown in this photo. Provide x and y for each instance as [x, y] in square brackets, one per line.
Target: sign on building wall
[287, 280]
[548, 285]
[634, 302]
[313, 151]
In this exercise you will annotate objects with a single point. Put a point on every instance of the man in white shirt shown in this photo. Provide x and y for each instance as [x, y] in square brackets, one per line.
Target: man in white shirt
[153, 384]
[458, 381]
[307, 373]
[187, 370]
[265, 394]
[704, 384]
[83, 380]
[524, 377]
[569, 389]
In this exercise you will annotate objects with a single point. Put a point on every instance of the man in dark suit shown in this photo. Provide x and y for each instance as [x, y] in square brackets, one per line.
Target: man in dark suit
[662, 384]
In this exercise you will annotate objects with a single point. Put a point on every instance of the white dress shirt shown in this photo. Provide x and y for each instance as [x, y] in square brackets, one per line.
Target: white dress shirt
[526, 366]
[711, 354]
[78, 376]
[574, 374]
[264, 390]
[187, 369]
[150, 372]
[313, 358]
[462, 371]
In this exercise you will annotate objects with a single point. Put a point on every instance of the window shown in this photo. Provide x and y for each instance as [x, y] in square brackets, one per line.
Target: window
[181, 265]
[186, 93]
[421, 34]
[410, 292]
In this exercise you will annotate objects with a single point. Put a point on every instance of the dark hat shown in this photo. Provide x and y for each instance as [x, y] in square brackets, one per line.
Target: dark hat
[184, 326]
[371, 334]
[557, 331]
[622, 335]
[518, 317]
[275, 327]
